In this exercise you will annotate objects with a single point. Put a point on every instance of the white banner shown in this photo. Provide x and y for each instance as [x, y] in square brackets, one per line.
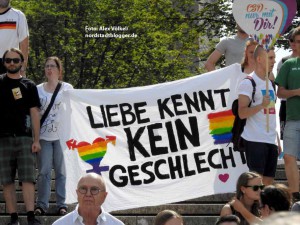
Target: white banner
[156, 144]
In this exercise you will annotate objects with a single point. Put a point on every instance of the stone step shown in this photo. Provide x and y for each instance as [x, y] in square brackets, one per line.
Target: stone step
[206, 199]
[280, 175]
[128, 220]
[187, 209]
[198, 211]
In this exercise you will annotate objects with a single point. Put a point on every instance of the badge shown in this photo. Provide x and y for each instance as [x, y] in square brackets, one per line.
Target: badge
[17, 93]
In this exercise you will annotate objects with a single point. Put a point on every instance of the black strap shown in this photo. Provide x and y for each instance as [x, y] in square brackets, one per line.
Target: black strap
[254, 88]
[51, 103]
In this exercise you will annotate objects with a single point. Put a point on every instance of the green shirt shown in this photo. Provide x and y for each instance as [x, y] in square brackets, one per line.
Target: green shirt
[289, 78]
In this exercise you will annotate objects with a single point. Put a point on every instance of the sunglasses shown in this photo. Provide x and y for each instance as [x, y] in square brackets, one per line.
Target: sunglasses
[14, 60]
[256, 187]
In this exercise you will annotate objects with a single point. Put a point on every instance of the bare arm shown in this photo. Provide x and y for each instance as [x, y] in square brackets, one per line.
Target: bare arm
[239, 207]
[35, 118]
[24, 47]
[285, 93]
[271, 76]
[279, 144]
[212, 60]
[226, 210]
[245, 111]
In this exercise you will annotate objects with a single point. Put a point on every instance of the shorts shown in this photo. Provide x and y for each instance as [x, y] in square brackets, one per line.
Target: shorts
[291, 138]
[15, 154]
[261, 157]
[282, 117]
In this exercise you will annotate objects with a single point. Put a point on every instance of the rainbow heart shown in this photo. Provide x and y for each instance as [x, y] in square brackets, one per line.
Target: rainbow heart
[264, 20]
[93, 153]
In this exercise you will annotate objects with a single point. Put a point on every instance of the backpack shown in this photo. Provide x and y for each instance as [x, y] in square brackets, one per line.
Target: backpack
[239, 124]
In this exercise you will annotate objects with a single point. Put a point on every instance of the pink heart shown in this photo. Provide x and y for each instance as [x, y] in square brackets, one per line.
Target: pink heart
[224, 177]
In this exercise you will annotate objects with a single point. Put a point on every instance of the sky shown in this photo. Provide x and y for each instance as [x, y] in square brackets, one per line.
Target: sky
[280, 53]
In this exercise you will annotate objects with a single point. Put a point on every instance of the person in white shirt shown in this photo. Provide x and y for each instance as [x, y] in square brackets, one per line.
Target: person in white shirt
[14, 33]
[51, 154]
[91, 194]
[261, 145]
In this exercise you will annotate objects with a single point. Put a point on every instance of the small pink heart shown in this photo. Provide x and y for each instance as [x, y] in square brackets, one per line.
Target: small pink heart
[224, 177]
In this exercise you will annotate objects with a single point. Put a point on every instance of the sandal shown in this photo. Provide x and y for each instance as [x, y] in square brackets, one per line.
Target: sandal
[62, 211]
[39, 211]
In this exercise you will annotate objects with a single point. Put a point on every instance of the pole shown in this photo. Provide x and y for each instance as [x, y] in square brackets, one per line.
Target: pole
[267, 92]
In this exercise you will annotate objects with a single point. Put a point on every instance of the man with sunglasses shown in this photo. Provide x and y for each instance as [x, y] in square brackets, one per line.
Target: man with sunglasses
[288, 81]
[19, 121]
[13, 33]
[91, 194]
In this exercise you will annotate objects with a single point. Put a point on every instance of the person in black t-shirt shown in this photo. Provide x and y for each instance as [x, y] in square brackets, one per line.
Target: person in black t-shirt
[19, 121]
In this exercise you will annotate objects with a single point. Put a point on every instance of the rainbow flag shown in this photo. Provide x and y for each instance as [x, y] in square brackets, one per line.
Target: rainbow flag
[220, 126]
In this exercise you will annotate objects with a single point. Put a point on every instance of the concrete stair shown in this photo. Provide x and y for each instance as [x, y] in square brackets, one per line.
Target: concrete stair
[199, 211]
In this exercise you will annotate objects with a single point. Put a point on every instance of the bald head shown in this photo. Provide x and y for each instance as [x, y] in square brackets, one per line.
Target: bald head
[92, 178]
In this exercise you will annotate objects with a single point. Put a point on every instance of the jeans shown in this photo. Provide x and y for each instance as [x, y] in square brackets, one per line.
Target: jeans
[51, 153]
[291, 138]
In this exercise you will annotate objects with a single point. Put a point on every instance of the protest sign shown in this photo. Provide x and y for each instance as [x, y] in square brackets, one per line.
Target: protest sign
[156, 144]
[264, 21]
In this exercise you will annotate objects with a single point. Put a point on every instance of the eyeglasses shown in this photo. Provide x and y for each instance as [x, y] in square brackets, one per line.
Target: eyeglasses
[50, 66]
[93, 190]
[14, 60]
[256, 187]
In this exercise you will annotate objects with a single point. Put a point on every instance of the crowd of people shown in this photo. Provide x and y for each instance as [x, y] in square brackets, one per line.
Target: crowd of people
[257, 197]
[30, 120]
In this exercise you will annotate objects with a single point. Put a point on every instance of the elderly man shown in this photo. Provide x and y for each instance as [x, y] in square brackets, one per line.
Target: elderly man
[91, 193]
[14, 33]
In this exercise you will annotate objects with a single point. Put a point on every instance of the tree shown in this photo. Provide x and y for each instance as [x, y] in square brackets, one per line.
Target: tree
[169, 36]
[165, 47]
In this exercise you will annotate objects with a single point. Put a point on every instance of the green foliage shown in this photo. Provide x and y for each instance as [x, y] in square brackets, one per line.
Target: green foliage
[172, 38]
[165, 49]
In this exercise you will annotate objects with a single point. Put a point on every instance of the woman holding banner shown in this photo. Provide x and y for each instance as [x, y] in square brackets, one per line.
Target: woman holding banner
[248, 189]
[51, 154]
